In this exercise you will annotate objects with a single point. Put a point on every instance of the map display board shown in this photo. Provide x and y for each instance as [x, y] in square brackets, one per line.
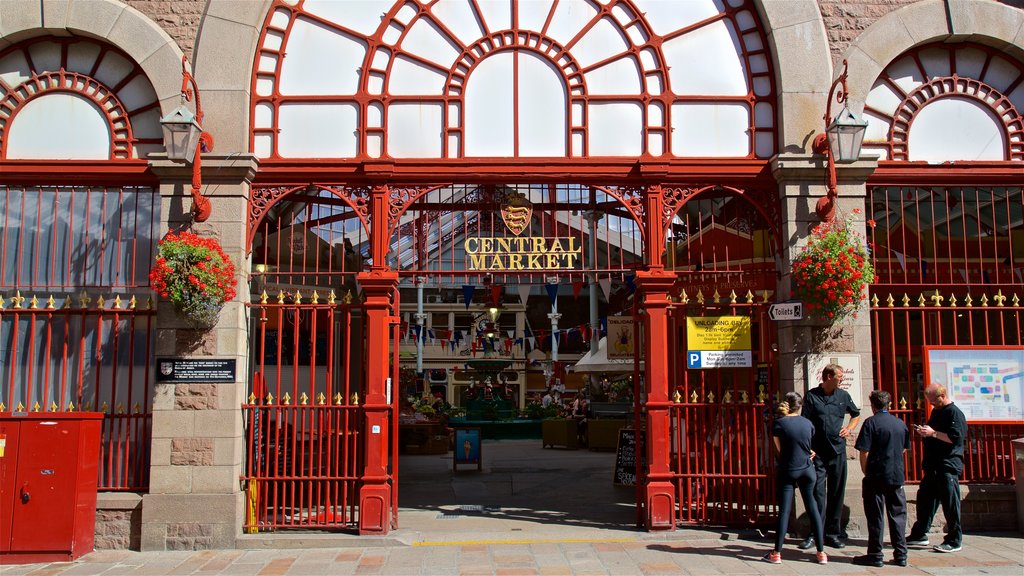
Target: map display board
[985, 382]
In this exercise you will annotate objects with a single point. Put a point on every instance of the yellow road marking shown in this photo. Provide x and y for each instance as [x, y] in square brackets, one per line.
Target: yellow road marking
[534, 541]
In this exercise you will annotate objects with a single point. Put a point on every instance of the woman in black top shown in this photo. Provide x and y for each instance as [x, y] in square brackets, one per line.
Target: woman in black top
[792, 435]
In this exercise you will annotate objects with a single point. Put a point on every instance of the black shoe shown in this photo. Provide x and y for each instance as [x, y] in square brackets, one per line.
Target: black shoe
[899, 562]
[869, 561]
[834, 543]
[808, 543]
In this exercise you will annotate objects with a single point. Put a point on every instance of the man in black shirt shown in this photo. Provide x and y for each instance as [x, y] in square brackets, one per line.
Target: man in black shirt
[943, 461]
[882, 441]
[826, 406]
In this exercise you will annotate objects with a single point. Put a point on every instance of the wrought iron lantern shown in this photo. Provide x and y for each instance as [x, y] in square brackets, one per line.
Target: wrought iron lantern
[185, 138]
[840, 142]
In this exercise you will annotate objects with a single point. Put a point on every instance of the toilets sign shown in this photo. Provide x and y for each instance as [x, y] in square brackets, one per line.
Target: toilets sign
[718, 342]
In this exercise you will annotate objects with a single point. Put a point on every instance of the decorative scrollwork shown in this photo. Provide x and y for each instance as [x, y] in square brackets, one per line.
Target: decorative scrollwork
[632, 197]
[263, 198]
[401, 197]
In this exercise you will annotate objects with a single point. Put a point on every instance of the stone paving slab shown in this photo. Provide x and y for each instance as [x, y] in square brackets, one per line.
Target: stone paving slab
[683, 552]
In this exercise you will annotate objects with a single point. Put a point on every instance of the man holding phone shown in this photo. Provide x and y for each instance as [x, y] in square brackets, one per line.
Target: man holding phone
[943, 461]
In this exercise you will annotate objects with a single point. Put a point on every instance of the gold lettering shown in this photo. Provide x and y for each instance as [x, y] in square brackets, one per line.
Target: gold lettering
[496, 263]
[504, 245]
[487, 245]
[556, 245]
[476, 261]
[515, 261]
[552, 260]
[533, 262]
[570, 260]
[538, 245]
[572, 245]
[475, 242]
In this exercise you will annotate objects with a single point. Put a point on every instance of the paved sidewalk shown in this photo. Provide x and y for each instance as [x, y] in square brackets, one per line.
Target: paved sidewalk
[696, 552]
[530, 511]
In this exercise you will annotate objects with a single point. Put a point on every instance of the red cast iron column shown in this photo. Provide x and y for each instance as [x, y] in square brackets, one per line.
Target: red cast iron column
[654, 285]
[378, 285]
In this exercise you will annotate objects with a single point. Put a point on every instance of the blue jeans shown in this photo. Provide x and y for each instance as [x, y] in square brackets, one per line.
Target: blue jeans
[805, 479]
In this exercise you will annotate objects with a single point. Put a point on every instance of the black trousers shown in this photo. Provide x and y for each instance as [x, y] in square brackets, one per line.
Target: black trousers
[829, 492]
[804, 479]
[939, 489]
[885, 502]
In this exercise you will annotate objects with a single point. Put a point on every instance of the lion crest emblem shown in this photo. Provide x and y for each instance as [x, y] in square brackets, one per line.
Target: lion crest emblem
[516, 212]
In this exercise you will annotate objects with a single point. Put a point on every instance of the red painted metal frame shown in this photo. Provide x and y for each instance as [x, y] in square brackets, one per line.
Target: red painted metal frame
[721, 451]
[515, 39]
[954, 85]
[41, 82]
[901, 330]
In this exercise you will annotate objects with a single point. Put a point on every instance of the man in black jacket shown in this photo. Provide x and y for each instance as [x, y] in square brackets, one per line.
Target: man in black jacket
[882, 441]
[943, 461]
[827, 406]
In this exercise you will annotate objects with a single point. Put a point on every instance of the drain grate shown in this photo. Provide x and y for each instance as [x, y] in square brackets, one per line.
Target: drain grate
[468, 510]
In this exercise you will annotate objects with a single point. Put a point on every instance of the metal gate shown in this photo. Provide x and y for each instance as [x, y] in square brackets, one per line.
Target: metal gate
[304, 413]
[720, 422]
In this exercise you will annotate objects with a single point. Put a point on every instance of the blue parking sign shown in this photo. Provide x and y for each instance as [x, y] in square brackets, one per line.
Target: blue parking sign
[693, 359]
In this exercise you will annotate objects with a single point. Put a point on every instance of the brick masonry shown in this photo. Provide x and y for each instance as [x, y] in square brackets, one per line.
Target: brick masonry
[179, 18]
[189, 536]
[192, 452]
[195, 397]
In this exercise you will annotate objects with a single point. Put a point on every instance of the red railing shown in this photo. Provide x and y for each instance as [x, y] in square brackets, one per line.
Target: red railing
[720, 424]
[72, 336]
[903, 325]
[88, 355]
[304, 413]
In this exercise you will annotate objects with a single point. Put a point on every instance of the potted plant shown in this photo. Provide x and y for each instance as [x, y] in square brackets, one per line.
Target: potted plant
[831, 271]
[195, 274]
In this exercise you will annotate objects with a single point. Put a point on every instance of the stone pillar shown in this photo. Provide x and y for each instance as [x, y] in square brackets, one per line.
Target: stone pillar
[801, 181]
[195, 501]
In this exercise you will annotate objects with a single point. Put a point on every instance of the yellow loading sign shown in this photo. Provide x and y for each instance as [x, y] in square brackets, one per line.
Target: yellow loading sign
[718, 342]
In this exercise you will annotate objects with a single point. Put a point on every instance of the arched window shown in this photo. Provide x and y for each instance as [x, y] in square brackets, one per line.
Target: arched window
[458, 79]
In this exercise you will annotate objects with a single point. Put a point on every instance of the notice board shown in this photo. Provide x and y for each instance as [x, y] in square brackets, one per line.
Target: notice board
[985, 382]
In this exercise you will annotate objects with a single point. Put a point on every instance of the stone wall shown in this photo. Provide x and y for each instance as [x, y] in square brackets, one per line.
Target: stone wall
[846, 19]
[118, 521]
[179, 18]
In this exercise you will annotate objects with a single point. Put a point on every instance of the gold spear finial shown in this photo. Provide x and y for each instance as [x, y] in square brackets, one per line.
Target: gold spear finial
[331, 297]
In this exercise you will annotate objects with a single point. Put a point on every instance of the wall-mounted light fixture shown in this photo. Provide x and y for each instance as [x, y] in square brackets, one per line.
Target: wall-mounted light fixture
[183, 132]
[840, 142]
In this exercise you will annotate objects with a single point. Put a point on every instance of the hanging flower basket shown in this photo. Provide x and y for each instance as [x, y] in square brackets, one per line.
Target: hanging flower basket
[831, 271]
[196, 275]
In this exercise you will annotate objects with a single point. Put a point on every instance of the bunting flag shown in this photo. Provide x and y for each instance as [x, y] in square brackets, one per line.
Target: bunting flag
[511, 333]
[985, 277]
[467, 294]
[524, 292]
[631, 283]
[552, 293]
[1020, 273]
[606, 287]
[496, 290]
[901, 260]
[532, 341]
[963, 274]
[924, 269]
[576, 288]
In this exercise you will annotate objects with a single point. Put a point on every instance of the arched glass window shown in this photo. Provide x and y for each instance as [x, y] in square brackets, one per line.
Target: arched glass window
[459, 79]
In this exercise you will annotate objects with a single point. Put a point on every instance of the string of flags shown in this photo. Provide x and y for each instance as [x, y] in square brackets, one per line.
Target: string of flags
[508, 340]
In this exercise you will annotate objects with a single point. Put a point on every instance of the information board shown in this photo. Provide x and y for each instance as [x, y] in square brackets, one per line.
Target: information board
[195, 370]
[625, 457]
[718, 342]
[985, 382]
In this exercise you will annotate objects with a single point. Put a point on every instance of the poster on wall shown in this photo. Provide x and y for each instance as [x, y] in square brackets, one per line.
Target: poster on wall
[718, 342]
[620, 337]
[985, 382]
[851, 373]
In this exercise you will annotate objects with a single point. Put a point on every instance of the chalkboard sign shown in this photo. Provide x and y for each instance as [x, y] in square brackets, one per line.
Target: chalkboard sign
[625, 457]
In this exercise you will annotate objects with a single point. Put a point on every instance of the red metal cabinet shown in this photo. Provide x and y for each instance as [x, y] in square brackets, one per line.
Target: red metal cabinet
[48, 471]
